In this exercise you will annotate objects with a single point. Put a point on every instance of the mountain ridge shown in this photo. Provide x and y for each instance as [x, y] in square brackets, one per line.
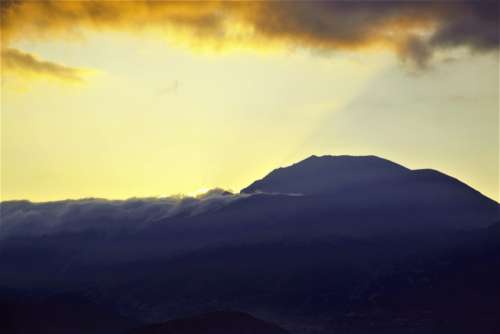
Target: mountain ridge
[329, 174]
[366, 167]
[321, 255]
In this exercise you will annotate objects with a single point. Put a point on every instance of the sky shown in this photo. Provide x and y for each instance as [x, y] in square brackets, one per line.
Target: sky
[119, 99]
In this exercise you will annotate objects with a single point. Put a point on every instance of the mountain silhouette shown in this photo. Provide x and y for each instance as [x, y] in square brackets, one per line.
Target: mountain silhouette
[338, 241]
[368, 182]
[326, 175]
[346, 175]
[59, 314]
[220, 322]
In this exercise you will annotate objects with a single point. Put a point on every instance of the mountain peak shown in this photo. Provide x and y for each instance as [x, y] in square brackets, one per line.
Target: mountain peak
[325, 174]
[358, 161]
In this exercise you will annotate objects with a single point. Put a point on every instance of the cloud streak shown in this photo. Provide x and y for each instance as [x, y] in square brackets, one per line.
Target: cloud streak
[29, 219]
[414, 30]
[18, 61]
[24, 218]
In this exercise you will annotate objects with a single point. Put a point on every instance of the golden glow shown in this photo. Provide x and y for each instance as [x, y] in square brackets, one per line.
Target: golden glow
[29, 67]
[127, 133]
[199, 192]
[160, 119]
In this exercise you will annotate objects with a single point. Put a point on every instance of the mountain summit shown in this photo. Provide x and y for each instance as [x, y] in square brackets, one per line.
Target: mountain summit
[326, 174]
[363, 182]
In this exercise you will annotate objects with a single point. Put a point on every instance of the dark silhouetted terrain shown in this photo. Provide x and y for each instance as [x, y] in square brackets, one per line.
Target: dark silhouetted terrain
[213, 323]
[59, 315]
[329, 245]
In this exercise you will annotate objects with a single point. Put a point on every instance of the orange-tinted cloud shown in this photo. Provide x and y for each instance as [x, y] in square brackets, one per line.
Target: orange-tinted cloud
[15, 60]
[413, 29]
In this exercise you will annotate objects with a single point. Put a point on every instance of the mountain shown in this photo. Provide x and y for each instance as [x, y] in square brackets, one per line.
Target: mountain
[456, 292]
[59, 314]
[221, 322]
[326, 175]
[330, 244]
[375, 184]
[367, 178]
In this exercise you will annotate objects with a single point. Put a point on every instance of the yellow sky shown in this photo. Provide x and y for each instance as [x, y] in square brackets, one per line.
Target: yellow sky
[148, 115]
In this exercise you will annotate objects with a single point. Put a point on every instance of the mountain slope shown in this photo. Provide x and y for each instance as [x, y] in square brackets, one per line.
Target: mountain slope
[357, 223]
[221, 322]
[326, 174]
[386, 199]
[370, 182]
[59, 315]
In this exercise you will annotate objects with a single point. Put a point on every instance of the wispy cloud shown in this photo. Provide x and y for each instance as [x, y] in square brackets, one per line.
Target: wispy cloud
[24, 218]
[25, 63]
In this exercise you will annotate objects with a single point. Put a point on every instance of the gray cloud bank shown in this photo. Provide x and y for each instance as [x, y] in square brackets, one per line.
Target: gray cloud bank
[25, 218]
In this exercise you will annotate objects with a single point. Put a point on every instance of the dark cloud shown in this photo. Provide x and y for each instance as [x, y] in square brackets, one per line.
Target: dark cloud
[416, 51]
[475, 26]
[414, 29]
